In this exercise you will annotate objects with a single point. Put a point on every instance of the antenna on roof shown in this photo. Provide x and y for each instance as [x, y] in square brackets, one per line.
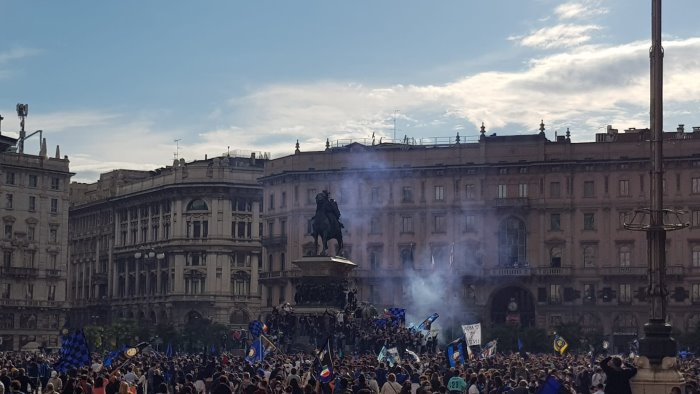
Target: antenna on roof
[177, 148]
[396, 113]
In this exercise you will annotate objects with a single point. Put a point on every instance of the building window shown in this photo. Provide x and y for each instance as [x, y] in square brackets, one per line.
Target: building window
[624, 218]
[589, 221]
[53, 259]
[625, 296]
[695, 293]
[439, 224]
[512, 238]
[31, 232]
[10, 178]
[5, 289]
[194, 285]
[55, 183]
[374, 259]
[32, 203]
[588, 189]
[554, 189]
[8, 231]
[589, 256]
[53, 235]
[52, 293]
[695, 183]
[407, 224]
[624, 187]
[54, 205]
[283, 202]
[503, 171]
[502, 191]
[555, 254]
[197, 229]
[522, 190]
[375, 194]
[8, 200]
[29, 291]
[554, 222]
[470, 191]
[33, 181]
[197, 205]
[470, 223]
[407, 194]
[589, 293]
[375, 225]
[271, 206]
[439, 193]
[7, 258]
[555, 294]
[624, 256]
[695, 256]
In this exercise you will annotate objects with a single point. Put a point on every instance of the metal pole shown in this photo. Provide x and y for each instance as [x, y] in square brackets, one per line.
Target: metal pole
[657, 342]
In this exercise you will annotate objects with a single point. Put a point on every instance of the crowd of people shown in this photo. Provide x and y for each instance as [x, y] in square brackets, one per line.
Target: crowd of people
[154, 373]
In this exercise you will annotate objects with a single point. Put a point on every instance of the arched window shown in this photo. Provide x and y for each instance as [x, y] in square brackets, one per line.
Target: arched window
[197, 205]
[239, 317]
[512, 240]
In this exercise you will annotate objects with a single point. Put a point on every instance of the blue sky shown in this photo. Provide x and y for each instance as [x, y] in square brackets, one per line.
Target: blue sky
[115, 83]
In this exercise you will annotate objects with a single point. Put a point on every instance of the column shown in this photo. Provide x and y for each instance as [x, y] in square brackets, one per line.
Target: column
[254, 267]
[179, 262]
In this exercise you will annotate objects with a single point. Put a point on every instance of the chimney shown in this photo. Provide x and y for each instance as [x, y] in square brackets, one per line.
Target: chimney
[252, 159]
[58, 152]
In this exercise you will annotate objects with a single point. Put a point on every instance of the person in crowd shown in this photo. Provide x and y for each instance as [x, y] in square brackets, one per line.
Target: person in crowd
[618, 375]
[391, 386]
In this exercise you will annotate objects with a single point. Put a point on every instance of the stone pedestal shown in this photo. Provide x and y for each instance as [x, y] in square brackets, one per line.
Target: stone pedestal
[323, 283]
[657, 379]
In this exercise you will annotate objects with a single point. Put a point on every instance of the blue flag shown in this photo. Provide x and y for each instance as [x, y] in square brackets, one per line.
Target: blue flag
[455, 353]
[74, 352]
[324, 363]
[113, 355]
[520, 345]
[256, 327]
[551, 386]
[256, 352]
[425, 325]
[397, 315]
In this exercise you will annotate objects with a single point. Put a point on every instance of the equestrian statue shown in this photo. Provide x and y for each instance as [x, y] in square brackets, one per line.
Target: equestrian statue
[326, 223]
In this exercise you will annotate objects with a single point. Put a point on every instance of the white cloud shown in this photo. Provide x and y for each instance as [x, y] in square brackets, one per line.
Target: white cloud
[582, 88]
[559, 36]
[8, 56]
[579, 10]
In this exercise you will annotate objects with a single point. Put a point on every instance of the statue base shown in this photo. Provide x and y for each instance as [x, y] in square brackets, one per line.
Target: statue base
[323, 283]
[656, 379]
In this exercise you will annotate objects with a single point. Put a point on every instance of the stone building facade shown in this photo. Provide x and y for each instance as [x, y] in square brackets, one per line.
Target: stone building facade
[34, 214]
[507, 229]
[167, 246]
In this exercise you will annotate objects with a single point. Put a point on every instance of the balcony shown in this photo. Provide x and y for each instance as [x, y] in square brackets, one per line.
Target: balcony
[514, 202]
[553, 271]
[18, 272]
[53, 273]
[30, 303]
[624, 271]
[277, 241]
[509, 271]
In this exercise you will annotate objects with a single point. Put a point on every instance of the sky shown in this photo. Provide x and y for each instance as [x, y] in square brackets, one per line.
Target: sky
[130, 84]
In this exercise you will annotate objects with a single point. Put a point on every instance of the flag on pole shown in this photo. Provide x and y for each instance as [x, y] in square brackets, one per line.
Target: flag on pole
[560, 345]
[324, 363]
[255, 328]
[74, 352]
[472, 333]
[520, 344]
[425, 324]
[256, 352]
[455, 353]
[490, 349]
[413, 354]
[109, 359]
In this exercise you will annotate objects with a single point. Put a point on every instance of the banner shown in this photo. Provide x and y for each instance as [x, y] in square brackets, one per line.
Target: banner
[472, 334]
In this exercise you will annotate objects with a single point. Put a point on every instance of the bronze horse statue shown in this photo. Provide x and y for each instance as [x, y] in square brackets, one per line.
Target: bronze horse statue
[326, 223]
